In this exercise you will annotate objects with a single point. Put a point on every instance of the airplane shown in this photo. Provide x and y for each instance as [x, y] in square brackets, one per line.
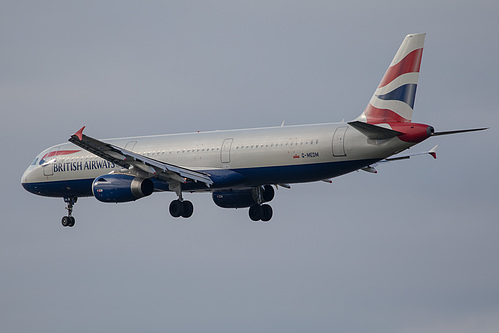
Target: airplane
[238, 167]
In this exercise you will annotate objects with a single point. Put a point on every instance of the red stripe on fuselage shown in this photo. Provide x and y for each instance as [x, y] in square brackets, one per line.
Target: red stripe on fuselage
[410, 64]
[60, 152]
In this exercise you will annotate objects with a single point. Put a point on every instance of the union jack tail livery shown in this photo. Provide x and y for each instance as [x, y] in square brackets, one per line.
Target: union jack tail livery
[393, 100]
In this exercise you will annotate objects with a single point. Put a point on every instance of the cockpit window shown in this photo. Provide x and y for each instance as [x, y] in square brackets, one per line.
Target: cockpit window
[34, 162]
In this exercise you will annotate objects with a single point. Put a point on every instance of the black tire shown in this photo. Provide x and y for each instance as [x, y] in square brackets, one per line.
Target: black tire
[65, 221]
[176, 208]
[266, 213]
[188, 209]
[255, 212]
[71, 221]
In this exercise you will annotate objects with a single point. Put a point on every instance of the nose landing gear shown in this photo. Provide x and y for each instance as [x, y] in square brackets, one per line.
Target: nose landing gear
[69, 220]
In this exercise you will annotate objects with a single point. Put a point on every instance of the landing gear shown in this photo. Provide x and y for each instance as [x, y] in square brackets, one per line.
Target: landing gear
[260, 212]
[181, 208]
[69, 221]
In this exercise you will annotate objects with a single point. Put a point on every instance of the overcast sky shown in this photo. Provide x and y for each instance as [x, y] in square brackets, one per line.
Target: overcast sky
[413, 248]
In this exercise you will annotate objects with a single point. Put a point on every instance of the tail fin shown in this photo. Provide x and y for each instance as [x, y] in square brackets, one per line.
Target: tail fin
[393, 101]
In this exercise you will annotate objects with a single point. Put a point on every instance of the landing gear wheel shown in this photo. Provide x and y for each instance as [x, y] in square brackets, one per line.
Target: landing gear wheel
[68, 221]
[65, 221]
[260, 212]
[176, 208]
[266, 213]
[255, 212]
[188, 209]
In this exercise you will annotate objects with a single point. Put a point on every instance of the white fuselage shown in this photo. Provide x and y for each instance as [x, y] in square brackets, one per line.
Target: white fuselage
[274, 155]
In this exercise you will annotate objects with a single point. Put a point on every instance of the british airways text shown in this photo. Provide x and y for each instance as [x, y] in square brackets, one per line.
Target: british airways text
[87, 165]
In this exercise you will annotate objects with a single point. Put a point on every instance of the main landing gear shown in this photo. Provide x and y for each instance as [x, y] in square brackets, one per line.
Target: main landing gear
[182, 208]
[260, 212]
[69, 221]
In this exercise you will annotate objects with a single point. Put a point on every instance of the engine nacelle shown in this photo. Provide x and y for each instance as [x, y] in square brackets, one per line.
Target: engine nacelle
[242, 198]
[121, 188]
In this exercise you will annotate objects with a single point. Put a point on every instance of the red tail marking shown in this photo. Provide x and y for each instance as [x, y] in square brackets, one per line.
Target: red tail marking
[410, 64]
[376, 116]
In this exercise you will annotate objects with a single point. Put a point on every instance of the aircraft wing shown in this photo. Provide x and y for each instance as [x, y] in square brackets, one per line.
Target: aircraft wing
[130, 160]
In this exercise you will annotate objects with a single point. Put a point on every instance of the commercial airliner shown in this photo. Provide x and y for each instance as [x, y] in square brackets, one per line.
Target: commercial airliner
[238, 167]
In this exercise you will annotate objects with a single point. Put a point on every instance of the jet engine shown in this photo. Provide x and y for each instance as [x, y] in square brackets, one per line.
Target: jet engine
[121, 188]
[243, 198]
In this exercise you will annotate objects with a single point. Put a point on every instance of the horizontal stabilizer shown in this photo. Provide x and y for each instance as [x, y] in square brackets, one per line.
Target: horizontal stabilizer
[432, 152]
[373, 131]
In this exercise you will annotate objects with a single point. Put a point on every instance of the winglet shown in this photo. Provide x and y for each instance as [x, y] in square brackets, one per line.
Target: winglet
[433, 152]
[79, 134]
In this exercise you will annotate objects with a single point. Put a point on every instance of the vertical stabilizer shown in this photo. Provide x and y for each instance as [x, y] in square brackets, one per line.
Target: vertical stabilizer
[393, 100]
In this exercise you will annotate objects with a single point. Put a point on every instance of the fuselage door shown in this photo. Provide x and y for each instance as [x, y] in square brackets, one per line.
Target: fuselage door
[225, 152]
[49, 160]
[339, 141]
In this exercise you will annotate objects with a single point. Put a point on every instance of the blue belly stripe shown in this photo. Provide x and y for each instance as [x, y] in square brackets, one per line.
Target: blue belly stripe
[230, 178]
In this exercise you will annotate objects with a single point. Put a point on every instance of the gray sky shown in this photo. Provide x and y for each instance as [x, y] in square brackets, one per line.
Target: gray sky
[413, 248]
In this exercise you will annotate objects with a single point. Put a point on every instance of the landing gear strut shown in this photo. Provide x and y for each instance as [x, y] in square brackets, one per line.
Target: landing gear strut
[69, 220]
[180, 207]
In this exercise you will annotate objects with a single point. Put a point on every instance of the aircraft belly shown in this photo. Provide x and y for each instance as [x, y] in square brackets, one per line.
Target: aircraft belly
[61, 188]
[300, 173]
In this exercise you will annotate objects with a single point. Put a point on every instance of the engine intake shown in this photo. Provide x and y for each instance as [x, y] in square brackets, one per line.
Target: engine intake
[121, 188]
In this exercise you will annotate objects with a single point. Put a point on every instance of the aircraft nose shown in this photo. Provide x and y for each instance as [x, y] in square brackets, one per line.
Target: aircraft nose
[26, 177]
